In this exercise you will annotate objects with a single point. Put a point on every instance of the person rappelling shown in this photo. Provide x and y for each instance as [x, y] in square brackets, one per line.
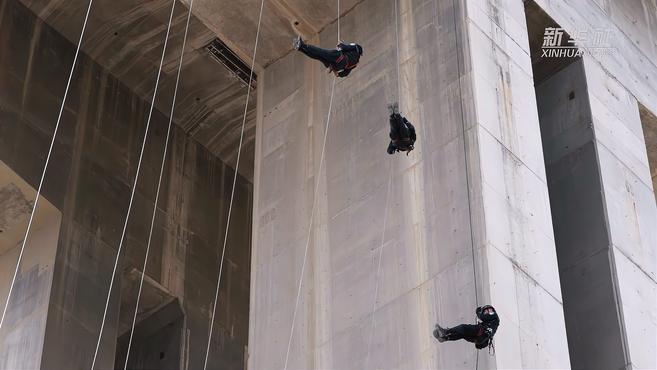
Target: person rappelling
[340, 61]
[402, 132]
[481, 334]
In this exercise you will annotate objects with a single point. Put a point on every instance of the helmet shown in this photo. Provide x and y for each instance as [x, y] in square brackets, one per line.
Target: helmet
[485, 311]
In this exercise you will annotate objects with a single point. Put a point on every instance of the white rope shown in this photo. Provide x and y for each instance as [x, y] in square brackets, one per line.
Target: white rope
[385, 215]
[159, 184]
[378, 267]
[45, 166]
[134, 187]
[397, 52]
[312, 211]
[232, 193]
[338, 21]
[312, 216]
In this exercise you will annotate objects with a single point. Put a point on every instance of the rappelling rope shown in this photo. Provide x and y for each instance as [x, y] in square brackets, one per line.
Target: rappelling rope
[45, 166]
[467, 171]
[312, 211]
[232, 193]
[134, 186]
[159, 184]
[312, 216]
[385, 212]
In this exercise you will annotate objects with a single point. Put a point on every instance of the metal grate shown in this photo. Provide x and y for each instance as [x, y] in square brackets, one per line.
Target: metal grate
[222, 54]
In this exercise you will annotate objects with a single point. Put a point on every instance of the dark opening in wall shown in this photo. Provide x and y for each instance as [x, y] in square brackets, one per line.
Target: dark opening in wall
[586, 271]
[224, 55]
[649, 123]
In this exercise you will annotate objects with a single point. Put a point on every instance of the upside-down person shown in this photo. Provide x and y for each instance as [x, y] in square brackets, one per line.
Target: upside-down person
[402, 132]
[481, 334]
[340, 61]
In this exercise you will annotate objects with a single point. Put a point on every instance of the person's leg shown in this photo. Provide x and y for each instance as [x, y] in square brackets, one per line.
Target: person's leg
[397, 128]
[463, 331]
[325, 56]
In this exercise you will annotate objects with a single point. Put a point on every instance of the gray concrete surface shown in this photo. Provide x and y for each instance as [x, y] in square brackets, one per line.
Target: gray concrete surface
[88, 181]
[481, 212]
[427, 266]
[24, 329]
[580, 223]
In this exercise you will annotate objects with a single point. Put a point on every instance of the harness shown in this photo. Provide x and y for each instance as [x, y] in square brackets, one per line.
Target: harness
[480, 334]
[347, 66]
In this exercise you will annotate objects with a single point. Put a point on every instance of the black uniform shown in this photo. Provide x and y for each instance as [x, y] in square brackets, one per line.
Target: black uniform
[340, 61]
[402, 134]
[480, 334]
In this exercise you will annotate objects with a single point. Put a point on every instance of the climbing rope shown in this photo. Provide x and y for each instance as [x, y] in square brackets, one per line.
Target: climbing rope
[159, 184]
[232, 193]
[45, 166]
[312, 210]
[385, 212]
[134, 187]
[467, 171]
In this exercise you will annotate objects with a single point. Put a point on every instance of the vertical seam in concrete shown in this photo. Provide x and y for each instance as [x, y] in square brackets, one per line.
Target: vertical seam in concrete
[612, 261]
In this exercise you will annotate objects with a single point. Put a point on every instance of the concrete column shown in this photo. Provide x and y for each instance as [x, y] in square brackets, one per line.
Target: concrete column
[516, 246]
[475, 183]
[23, 333]
[631, 212]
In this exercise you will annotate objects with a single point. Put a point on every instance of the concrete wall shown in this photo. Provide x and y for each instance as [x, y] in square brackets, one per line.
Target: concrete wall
[517, 246]
[24, 328]
[580, 222]
[89, 179]
[616, 82]
[475, 183]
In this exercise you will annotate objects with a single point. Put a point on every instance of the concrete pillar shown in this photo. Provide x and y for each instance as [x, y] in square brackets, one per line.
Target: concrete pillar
[23, 332]
[631, 212]
[517, 247]
[469, 217]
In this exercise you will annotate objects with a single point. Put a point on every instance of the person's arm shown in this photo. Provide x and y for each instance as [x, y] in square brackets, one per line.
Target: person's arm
[411, 128]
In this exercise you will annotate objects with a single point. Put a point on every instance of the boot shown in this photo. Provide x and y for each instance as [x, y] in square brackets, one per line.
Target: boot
[393, 108]
[439, 333]
[297, 42]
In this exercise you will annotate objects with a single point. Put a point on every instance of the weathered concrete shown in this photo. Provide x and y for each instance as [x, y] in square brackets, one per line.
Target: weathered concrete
[88, 181]
[469, 219]
[580, 222]
[22, 337]
[438, 215]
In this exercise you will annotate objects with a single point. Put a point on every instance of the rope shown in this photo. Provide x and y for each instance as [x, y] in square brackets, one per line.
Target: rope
[312, 216]
[385, 214]
[312, 211]
[397, 52]
[45, 166]
[338, 21]
[378, 267]
[159, 184]
[467, 171]
[232, 193]
[134, 187]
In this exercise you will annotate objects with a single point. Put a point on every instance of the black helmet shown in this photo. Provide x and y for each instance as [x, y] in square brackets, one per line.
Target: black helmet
[485, 311]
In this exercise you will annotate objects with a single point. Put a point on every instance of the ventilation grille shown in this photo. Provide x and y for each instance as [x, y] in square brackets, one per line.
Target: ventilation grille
[222, 54]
